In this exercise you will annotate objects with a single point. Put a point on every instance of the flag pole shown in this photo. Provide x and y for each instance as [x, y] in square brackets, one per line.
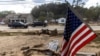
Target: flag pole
[66, 2]
[66, 8]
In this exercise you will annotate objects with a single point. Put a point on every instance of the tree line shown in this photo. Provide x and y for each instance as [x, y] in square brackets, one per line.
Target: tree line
[57, 10]
[49, 11]
[3, 14]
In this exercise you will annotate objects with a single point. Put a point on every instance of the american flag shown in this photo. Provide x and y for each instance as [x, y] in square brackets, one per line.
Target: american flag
[76, 34]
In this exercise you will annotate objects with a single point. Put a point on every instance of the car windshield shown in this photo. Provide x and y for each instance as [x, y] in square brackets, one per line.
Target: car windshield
[21, 23]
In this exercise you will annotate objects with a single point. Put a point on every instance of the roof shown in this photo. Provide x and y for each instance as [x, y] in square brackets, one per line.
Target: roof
[18, 15]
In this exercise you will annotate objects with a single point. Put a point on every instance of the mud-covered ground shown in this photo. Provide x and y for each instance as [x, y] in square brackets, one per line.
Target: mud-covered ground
[16, 45]
[23, 44]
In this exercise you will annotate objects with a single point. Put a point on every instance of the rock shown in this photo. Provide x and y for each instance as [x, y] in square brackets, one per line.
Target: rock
[54, 32]
[45, 31]
[37, 46]
[3, 54]
[25, 48]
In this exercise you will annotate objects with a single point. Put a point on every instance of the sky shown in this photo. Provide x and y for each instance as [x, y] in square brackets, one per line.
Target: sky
[25, 6]
[92, 3]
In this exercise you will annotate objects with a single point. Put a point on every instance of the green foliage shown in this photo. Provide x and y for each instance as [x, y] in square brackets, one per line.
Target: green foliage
[5, 13]
[35, 12]
[49, 11]
[52, 10]
[42, 18]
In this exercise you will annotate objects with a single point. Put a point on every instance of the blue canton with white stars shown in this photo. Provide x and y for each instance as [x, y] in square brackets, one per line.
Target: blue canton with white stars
[72, 22]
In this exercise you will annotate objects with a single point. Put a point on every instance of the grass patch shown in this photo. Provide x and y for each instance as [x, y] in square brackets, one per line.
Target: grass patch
[29, 33]
[10, 33]
[17, 33]
[5, 34]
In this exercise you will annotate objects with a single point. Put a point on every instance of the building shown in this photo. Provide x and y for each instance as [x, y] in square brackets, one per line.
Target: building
[61, 20]
[26, 18]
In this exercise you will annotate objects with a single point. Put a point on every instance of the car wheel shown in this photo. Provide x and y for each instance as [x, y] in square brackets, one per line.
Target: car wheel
[25, 26]
[33, 25]
[44, 25]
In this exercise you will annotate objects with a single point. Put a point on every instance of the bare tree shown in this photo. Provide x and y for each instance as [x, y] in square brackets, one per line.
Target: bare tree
[78, 3]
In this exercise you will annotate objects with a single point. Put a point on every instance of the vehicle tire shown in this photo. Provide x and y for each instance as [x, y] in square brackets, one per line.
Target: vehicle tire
[25, 26]
[44, 25]
[34, 26]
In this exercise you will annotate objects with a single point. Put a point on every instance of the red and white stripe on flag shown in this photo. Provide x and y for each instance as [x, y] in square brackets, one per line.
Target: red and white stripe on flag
[76, 34]
[80, 37]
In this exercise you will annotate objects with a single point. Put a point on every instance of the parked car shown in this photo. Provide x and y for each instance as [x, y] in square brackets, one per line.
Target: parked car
[17, 25]
[39, 24]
